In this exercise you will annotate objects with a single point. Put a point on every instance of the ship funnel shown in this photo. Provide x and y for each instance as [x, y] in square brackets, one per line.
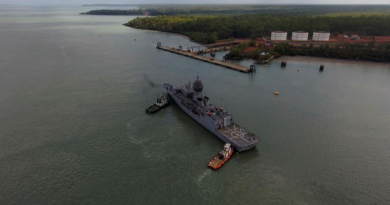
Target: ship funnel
[206, 101]
[200, 102]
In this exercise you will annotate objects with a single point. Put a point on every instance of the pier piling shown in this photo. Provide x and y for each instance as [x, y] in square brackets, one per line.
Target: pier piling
[252, 68]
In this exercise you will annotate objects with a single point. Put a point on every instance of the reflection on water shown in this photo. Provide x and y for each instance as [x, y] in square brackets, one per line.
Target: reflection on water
[73, 128]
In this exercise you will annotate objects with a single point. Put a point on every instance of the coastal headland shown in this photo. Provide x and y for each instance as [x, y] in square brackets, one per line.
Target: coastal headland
[354, 32]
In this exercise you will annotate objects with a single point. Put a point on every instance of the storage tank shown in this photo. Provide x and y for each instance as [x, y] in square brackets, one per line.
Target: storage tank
[321, 36]
[279, 36]
[300, 36]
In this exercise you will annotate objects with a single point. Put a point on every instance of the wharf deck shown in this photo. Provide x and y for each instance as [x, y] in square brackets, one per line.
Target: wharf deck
[211, 50]
[206, 59]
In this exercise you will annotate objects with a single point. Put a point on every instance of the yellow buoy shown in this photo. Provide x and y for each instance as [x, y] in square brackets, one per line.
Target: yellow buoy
[299, 69]
[276, 93]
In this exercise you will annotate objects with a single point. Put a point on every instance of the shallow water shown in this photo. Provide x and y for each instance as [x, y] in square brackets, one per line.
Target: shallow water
[73, 128]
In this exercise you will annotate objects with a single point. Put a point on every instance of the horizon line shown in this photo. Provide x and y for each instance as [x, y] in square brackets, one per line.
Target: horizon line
[226, 4]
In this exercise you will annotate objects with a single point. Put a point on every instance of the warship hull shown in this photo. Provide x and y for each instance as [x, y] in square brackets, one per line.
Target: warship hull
[233, 134]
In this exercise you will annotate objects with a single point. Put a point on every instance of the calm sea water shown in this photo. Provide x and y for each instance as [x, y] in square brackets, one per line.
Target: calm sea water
[73, 128]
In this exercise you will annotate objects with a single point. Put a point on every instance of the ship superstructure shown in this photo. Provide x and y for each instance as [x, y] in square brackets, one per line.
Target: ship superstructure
[217, 120]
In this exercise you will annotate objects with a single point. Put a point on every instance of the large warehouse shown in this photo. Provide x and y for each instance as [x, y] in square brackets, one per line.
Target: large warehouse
[300, 36]
[321, 36]
[279, 36]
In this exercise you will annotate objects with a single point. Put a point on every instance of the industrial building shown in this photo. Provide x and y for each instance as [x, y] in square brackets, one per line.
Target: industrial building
[279, 36]
[321, 36]
[300, 36]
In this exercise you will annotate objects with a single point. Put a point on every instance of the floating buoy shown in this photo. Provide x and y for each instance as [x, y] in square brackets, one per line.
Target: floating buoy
[276, 93]
[299, 69]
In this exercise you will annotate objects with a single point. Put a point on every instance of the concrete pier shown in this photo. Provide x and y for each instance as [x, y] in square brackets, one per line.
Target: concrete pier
[205, 59]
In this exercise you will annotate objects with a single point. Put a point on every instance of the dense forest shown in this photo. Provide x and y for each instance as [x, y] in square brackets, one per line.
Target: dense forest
[209, 28]
[209, 23]
[130, 12]
[171, 10]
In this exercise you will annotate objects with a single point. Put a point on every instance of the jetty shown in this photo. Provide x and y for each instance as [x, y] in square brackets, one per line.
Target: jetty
[196, 55]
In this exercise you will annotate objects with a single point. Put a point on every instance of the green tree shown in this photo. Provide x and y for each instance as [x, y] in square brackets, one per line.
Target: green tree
[256, 54]
[235, 53]
[282, 48]
[252, 43]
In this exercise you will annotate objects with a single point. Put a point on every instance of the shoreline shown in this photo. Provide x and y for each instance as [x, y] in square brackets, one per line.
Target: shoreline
[287, 58]
[178, 34]
[328, 60]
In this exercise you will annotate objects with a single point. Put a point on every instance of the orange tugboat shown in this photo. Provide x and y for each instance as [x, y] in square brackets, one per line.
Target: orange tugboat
[223, 156]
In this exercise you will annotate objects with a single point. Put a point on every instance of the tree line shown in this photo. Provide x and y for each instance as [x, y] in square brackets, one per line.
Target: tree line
[171, 10]
[116, 12]
[209, 28]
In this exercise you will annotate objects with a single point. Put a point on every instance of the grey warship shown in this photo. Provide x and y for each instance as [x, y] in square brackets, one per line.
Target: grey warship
[217, 121]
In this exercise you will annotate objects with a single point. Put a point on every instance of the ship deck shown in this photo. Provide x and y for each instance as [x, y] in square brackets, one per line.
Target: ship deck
[215, 162]
[241, 139]
[238, 135]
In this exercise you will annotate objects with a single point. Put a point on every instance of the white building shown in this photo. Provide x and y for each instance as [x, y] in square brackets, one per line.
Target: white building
[264, 53]
[278, 36]
[355, 37]
[300, 36]
[321, 36]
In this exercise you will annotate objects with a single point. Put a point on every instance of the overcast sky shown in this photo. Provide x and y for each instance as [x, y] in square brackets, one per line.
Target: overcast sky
[193, 2]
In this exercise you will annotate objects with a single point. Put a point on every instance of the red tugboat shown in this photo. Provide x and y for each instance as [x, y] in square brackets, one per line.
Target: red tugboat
[223, 156]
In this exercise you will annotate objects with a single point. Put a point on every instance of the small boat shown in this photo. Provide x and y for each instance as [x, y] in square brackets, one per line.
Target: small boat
[162, 101]
[223, 156]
